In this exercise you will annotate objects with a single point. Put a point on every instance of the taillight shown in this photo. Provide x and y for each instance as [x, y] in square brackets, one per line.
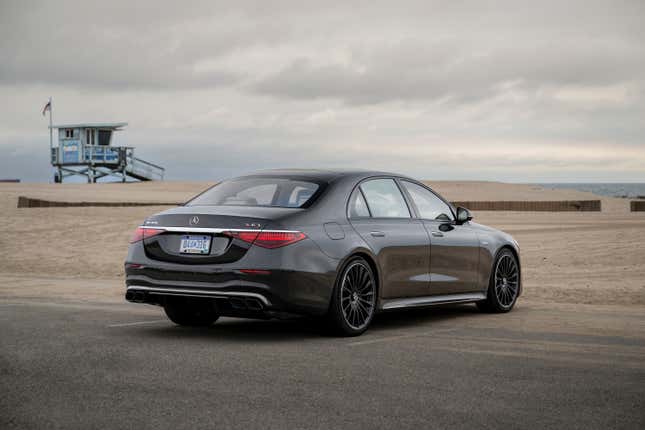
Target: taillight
[274, 239]
[244, 236]
[143, 233]
[268, 239]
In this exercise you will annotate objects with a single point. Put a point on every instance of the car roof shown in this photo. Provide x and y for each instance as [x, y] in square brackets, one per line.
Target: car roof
[326, 175]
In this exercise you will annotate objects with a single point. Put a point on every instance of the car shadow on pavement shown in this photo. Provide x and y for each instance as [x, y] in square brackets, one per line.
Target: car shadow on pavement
[297, 329]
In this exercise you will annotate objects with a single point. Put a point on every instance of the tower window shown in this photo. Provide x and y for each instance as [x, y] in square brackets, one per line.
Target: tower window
[89, 134]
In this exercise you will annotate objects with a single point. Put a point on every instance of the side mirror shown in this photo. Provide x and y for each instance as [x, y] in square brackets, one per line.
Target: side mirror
[463, 215]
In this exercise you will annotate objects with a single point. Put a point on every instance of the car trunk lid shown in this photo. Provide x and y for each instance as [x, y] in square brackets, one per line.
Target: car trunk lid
[206, 234]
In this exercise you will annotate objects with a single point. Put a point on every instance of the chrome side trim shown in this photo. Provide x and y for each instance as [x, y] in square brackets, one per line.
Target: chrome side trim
[197, 293]
[411, 302]
[212, 229]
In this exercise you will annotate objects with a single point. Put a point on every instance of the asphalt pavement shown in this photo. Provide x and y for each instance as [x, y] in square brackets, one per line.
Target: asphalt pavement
[66, 364]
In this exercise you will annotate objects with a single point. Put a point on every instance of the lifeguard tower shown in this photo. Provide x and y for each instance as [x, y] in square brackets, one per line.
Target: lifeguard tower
[86, 150]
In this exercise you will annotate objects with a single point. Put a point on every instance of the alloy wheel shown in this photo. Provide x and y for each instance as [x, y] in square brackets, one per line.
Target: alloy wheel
[506, 280]
[358, 295]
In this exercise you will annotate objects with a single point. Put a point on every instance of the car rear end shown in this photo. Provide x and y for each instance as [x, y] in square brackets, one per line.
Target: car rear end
[249, 260]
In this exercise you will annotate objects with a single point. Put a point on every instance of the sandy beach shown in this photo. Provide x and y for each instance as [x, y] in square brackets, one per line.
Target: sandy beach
[568, 257]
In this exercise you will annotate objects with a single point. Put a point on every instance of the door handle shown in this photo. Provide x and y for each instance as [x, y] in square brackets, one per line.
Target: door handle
[437, 234]
[377, 233]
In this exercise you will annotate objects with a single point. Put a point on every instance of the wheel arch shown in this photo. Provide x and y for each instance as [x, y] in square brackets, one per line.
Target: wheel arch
[370, 259]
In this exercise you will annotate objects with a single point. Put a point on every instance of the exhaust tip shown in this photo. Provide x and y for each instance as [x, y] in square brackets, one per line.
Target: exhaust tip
[253, 304]
[135, 296]
[237, 303]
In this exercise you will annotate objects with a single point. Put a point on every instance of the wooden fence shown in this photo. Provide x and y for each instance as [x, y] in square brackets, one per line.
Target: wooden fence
[637, 205]
[28, 202]
[528, 206]
[533, 206]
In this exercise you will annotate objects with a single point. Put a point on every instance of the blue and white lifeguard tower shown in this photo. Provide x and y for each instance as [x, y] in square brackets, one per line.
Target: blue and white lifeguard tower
[86, 150]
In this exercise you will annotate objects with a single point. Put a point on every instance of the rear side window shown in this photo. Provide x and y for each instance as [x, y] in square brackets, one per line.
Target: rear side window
[429, 205]
[385, 199]
[260, 191]
[357, 206]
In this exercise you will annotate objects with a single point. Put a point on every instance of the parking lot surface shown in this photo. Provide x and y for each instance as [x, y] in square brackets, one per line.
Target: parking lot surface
[105, 364]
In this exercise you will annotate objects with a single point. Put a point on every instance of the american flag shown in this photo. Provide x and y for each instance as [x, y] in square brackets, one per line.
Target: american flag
[48, 107]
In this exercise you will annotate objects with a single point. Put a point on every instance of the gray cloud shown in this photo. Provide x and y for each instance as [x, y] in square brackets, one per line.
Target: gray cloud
[460, 71]
[120, 45]
[475, 90]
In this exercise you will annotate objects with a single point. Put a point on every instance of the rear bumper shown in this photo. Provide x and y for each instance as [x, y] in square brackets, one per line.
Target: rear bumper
[297, 279]
[228, 304]
[138, 293]
[269, 293]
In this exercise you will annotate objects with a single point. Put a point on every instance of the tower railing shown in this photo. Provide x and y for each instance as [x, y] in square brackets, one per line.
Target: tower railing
[118, 160]
[137, 167]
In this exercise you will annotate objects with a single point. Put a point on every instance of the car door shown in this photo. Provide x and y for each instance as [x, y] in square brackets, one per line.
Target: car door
[454, 248]
[380, 215]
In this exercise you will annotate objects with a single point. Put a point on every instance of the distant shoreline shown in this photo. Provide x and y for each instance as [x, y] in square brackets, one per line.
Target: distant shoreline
[630, 190]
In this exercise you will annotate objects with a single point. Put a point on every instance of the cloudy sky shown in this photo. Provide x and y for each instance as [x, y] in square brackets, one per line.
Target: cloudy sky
[534, 92]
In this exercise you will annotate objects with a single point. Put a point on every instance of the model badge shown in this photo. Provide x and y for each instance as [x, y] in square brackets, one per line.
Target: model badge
[194, 220]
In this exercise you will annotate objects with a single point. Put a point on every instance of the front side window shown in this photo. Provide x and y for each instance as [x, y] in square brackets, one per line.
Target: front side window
[429, 205]
[385, 199]
[259, 191]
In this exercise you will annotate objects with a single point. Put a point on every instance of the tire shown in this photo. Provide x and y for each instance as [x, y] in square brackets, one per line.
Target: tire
[191, 312]
[504, 284]
[353, 302]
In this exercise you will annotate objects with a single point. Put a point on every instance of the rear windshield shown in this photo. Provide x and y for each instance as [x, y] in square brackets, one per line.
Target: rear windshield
[260, 191]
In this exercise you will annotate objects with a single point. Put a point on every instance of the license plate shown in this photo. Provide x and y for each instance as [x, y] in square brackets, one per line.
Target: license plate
[195, 245]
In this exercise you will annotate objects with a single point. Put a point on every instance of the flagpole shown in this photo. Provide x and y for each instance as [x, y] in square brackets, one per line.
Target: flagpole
[51, 129]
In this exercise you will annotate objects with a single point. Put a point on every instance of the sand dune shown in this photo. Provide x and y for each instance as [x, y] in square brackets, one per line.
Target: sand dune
[593, 257]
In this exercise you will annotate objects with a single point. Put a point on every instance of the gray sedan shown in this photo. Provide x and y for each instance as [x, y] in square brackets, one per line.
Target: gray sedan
[339, 244]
